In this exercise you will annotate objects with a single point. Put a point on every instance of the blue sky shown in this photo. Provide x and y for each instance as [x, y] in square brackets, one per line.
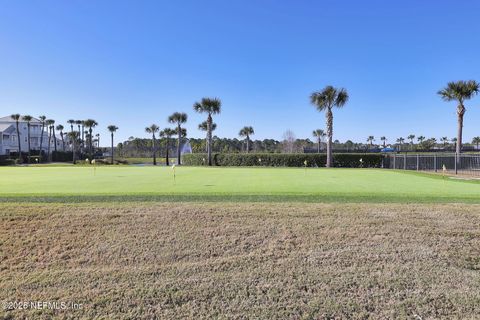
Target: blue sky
[132, 63]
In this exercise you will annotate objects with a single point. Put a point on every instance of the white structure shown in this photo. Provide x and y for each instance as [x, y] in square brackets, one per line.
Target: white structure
[9, 138]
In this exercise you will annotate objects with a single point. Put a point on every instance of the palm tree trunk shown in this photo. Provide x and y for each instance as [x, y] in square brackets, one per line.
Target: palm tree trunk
[90, 143]
[248, 143]
[460, 113]
[167, 160]
[318, 145]
[28, 137]
[41, 141]
[209, 144]
[63, 141]
[179, 144]
[112, 147]
[154, 150]
[54, 140]
[74, 160]
[49, 139]
[329, 116]
[19, 144]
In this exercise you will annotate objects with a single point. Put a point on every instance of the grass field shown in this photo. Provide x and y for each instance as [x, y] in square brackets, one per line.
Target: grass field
[242, 260]
[246, 184]
[129, 242]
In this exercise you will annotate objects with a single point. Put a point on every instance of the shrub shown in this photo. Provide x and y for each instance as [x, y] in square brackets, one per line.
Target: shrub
[62, 156]
[347, 160]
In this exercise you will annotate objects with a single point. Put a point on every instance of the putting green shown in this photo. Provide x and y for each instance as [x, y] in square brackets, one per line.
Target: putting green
[278, 184]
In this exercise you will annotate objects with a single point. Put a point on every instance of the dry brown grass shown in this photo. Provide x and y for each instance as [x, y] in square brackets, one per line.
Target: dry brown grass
[221, 260]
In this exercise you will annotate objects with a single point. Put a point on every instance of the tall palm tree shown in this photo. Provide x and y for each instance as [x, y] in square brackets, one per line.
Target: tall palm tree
[54, 136]
[370, 140]
[42, 121]
[400, 143]
[90, 124]
[445, 141]
[74, 137]
[319, 134]
[71, 122]
[112, 128]
[60, 128]
[79, 124]
[49, 123]
[17, 117]
[476, 141]
[246, 132]
[27, 119]
[167, 133]
[411, 137]
[210, 106]
[178, 118]
[153, 129]
[384, 140]
[420, 139]
[204, 127]
[326, 100]
[454, 141]
[459, 91]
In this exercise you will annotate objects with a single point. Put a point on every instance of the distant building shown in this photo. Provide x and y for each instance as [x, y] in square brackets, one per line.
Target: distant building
[9, 138]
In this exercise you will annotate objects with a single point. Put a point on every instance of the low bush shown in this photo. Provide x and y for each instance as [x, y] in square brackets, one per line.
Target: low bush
[346, 160]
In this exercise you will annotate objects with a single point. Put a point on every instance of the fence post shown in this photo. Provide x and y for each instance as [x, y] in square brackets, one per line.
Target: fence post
[418, 161]
[405, 161]
[456, 169]
[435, 162]
[394, 160]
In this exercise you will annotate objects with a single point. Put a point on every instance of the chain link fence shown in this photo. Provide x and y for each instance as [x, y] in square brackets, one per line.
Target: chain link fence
[467, 164]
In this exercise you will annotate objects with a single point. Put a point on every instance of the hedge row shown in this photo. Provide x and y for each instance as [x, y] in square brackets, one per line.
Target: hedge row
[346, 160]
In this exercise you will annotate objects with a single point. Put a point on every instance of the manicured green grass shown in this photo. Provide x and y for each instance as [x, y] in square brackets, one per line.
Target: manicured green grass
[236, 184]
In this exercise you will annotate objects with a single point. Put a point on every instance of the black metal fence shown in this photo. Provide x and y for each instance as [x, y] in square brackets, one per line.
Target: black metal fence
[450, 163]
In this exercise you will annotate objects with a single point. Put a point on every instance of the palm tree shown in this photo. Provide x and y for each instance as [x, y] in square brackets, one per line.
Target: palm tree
[476, 141]
[246, 132]
[98, 139]
[90, 124]
[60, 128]
[210, 106]
[400, 143]
[49, 123]
[459, 91]
[27, 119]
[112, 128]
[16, 117]
[79, 124]
[42, 121]
[370, 140]
[445, 141]
[319, 134]
[74, 138]
[411, 137]
[153, 129]
[167, 133]
[454, 141]
[54, 136]
[71, 122]
[204, 127]
[420, 139]
[178, 118]
[325, 100]
[384, 139]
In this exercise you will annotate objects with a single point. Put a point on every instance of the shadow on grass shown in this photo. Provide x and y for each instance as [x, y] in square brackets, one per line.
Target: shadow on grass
[307, 198]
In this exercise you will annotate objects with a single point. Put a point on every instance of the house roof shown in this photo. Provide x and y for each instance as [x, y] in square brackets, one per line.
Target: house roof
[6, 127]
[9, 119]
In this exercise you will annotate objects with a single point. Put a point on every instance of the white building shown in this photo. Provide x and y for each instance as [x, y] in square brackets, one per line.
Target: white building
[9, 139]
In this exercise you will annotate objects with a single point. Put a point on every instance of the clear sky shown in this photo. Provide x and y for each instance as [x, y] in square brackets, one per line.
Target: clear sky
[132, 63]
